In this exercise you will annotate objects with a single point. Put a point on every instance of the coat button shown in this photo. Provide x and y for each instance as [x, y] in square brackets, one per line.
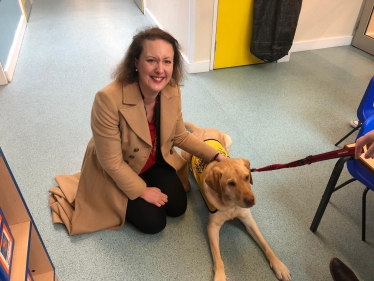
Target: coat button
[131, 156]
[171, 151]
[136, 149]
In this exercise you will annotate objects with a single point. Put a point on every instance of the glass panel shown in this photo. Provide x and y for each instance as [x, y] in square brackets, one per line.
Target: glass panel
[370, 29]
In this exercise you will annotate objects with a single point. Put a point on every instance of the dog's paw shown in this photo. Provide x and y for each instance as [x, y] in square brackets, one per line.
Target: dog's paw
[219, 278]
[220, 275]
[281, 271]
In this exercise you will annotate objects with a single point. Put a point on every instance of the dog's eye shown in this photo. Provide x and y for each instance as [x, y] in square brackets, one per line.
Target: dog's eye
[231, 183]
[246, 178]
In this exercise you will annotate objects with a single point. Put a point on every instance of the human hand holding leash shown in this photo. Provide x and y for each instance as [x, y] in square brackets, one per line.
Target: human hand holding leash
[368, 140]
[154, 196]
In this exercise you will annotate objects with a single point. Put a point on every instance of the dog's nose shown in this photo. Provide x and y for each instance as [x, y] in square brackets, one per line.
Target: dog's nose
[249, 201]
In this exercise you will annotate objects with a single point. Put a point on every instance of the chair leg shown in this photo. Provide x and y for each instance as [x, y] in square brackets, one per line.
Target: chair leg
[330, 188]
[350, 133]
[364, 213]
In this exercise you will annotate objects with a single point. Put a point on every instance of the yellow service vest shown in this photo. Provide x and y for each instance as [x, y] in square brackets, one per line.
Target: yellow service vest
[198, 166]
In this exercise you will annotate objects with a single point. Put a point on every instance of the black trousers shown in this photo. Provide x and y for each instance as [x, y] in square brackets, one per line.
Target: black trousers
[149, 218]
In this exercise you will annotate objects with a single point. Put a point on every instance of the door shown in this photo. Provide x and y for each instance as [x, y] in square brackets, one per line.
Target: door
[364, 35]
[234, 34]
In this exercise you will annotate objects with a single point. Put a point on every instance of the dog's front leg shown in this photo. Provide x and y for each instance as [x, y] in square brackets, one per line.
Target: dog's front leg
[214, 227]
[281, 271]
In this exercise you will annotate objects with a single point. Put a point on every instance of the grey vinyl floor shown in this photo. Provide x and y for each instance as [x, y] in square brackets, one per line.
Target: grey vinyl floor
[275, 113]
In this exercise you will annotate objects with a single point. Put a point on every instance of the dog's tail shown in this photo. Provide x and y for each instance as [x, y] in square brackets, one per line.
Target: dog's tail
[191, 126]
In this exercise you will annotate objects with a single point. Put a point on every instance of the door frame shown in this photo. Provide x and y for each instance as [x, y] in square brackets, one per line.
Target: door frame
[360, 40]
[214, 31]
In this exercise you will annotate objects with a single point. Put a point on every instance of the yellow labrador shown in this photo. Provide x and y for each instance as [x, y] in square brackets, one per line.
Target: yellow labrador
[227, 187]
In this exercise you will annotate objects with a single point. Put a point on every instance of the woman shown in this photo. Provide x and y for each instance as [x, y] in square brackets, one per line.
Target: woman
[130, 169]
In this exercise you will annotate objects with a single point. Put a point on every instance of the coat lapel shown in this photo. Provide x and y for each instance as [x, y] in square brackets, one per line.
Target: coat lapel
[134, 113]
[169, 111]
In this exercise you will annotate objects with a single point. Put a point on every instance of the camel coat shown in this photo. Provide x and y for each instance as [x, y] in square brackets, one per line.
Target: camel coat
[96, 198]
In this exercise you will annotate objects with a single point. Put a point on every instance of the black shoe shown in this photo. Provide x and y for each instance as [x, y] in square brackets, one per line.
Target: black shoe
[340, 272]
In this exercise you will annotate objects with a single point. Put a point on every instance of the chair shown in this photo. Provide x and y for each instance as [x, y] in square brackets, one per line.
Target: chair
[361, 170]
[364, 110]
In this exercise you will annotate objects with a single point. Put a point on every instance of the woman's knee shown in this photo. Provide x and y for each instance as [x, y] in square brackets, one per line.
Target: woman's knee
[176, 209]
[153, 226]
[149, 226]
[145, 216]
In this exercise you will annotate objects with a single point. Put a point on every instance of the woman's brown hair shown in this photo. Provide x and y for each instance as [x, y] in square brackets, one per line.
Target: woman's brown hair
[126, 71]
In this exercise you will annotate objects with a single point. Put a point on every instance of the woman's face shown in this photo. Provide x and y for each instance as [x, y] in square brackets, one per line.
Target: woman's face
[155, 66]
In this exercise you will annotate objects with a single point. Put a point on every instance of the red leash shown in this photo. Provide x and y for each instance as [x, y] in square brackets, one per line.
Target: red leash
[349, 151]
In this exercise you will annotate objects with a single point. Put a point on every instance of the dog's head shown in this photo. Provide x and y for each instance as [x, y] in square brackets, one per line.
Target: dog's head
[231, 180]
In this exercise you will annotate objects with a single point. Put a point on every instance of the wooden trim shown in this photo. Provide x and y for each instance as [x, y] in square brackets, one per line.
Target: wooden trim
[11, 203]
[39, 262]
[48, 276]
[21, 234]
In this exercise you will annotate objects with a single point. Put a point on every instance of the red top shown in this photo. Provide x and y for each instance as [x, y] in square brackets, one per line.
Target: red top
[152, 157]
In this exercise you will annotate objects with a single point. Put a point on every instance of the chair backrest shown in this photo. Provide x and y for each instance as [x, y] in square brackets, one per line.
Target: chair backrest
[367, 126]
[366, 107]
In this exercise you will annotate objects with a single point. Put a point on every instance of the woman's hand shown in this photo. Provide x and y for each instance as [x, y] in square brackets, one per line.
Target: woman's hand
[154, 196]
[368, 140]
[221, 157]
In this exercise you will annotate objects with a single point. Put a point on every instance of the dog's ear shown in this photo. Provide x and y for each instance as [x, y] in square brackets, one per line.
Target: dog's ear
[213, 180]
[248, 166]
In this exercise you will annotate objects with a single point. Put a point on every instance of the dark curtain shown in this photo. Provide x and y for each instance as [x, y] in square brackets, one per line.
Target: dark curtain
[274, 27]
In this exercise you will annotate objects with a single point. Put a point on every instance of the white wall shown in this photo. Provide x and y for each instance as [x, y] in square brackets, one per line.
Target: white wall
[173, 17]
[322, 24]
[191, 23]
[325, 24]
[204, 28]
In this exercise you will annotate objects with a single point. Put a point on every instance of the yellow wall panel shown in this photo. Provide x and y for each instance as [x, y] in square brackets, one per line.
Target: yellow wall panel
[234, 34]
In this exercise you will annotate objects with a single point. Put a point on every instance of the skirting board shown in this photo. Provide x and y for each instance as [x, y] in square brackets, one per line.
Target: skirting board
[10, 65]
[317, 44]
[196, 67]
[321, 44]
[3, 80]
